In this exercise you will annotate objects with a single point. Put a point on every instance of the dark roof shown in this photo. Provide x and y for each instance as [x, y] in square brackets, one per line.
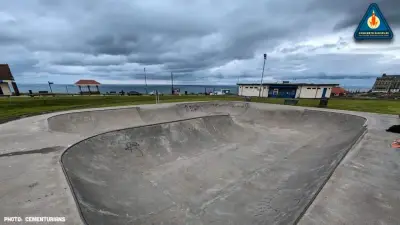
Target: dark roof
[385, 75]
[388, 77]
[288, 84]
[87, 82]
[5, 72]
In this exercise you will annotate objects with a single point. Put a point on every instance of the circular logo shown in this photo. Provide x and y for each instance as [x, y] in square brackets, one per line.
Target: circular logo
[373, 21]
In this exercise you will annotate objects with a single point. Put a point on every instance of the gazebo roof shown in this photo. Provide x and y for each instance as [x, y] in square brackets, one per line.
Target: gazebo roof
[86, 82]
[5, 72]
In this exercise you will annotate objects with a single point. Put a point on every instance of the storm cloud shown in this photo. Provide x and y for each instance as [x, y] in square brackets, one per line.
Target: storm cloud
[200, 41]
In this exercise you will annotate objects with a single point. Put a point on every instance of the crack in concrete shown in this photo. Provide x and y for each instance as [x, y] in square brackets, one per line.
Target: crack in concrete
[35, 151]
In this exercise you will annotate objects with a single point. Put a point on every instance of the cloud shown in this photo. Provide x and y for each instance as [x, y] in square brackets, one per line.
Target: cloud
[78, 59]
[350, 13]
[198, 41]
[323, 76]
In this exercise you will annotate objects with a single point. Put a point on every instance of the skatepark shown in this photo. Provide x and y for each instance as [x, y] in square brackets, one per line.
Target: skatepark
[202, 163]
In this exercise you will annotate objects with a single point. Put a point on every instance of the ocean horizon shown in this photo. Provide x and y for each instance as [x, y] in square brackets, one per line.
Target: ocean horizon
[104, 88]
[166, 89]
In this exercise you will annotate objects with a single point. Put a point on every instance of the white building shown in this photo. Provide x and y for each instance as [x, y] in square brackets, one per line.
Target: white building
[286, 90]
[7, 81]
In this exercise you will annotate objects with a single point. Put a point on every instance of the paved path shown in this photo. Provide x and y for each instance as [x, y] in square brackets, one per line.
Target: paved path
[263, 164]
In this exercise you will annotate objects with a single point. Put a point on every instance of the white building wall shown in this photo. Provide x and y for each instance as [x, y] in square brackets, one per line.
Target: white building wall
[314, 91]
[253, 90]
[376, 91]
[264, 92]
[298, 91]
[328, 91]
[307, 92]
[301, 92]
[319, 92]
[5, 88]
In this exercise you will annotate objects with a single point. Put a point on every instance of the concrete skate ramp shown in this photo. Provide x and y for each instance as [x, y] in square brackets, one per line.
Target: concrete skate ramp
[98, 120]
[93, 122]
[255, 166]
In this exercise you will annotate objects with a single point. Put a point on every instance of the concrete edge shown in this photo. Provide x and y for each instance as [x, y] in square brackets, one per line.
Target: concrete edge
[111, 108]
[77, 112]
[68, 112]
[46, 116]
[78, 208]
[67, 148]
[343, 113]
[361, 135]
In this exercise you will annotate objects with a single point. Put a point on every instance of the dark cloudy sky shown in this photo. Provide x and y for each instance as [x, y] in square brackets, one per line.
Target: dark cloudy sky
[201, 41]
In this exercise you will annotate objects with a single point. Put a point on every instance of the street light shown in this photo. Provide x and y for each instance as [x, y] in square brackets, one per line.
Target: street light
[172, 83]
[262, 75]
[145, 78]
[50, 83]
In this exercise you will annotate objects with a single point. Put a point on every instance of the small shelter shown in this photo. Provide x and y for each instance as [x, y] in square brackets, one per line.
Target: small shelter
[7, 80]
[90, 85]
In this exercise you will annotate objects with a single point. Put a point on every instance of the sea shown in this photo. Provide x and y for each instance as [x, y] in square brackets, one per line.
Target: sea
[165, 89]
[104, 88]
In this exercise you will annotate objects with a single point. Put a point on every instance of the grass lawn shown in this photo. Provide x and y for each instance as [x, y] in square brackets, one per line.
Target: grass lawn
[16, 107]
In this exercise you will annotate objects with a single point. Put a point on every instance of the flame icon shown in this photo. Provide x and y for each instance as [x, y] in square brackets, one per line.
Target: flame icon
[373, 21]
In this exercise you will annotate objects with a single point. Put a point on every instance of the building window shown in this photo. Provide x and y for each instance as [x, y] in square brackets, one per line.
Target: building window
[308, 88]
[246, 87]
[251, 87]
[313, 88]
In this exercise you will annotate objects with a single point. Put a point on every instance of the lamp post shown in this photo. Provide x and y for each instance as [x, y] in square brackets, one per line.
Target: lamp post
[172, 83]
[262, 75]
[145, 78]
[50, 83]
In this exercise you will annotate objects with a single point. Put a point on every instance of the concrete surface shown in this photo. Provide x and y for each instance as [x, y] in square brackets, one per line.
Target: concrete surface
[201, 163]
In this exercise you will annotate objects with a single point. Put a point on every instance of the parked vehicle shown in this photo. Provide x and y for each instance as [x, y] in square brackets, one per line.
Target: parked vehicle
[154, 92]
[221, 92]
[134, 93]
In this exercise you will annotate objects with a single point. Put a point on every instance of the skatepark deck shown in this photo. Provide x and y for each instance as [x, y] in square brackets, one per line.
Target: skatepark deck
[200, 163]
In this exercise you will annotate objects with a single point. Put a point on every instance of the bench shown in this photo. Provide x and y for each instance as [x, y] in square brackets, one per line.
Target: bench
[89, 93]
[45, 93]
[111, 93]
[290, 102]
[323, 103]
[40, 93]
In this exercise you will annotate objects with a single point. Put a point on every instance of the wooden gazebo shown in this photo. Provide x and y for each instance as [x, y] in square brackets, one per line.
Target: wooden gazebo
[90, 85]
[7, 80]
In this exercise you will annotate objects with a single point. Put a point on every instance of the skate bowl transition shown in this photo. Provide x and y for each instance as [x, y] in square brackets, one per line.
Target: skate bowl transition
[202, 163]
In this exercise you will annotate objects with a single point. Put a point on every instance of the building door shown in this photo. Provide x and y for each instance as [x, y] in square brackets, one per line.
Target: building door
[1, 90]
[324, 92]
